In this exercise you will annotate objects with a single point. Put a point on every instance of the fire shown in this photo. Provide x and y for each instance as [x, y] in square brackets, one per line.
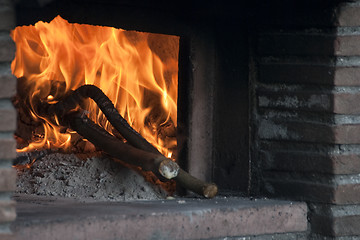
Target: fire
[54, 58]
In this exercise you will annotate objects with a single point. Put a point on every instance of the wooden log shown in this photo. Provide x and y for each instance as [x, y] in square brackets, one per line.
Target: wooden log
[77, 123]
[77, 97]
[156, 163]
[189, 182]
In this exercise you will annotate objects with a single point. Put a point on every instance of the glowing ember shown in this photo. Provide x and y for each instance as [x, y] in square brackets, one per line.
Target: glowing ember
[57, 57]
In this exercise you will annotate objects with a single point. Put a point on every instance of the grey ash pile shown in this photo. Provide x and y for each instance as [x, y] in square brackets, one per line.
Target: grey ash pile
[95, 178]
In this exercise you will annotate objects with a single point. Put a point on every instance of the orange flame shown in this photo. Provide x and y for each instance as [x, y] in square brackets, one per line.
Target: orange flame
[62, 56]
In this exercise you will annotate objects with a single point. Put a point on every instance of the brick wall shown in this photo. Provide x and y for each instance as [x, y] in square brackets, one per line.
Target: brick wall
[7, 119]
[307, 118]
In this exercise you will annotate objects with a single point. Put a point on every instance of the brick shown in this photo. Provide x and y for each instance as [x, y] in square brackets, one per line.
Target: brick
[335, 220]
[297, 73]
[7, 48]
[340, 102]
[307, 73]
[346, 226]
[346, 103]
[7, 236]
[297, 189]
[299, 100]
[347, 193]
[294, 131]
[320, 188]
[309, 132]
[7, 17]
[314, 162]
[348, 15]
[346, 134]
[296, 43]
[347, 45]
[7, 147]
[7, 211]
[7, 81]
[347, 76]
[194, 219]
[8, 179]
[8, 116]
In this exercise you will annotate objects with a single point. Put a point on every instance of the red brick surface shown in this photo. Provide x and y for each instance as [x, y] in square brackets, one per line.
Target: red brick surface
[7, 48]
[346, 102]
[347, 76]
[336, 220]
[307, 188]
[7, 236]
[7, 180]
[340, 102]
[7, 211]
[280, 186]
[7, 81]
[323, 64]
[309, 73]
[8, 116]
[347, 193]
[7, 147]
[7, 15]
[281, 129]
[348, 15]
[217, 218]
[346, 134]
[347, 45]
[306, 100]
[315, 162]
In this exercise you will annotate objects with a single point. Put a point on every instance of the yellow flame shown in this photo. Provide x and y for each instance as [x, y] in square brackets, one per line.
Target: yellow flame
[142, 86]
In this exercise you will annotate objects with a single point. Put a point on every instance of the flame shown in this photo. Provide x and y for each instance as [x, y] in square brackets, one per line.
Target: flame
[57, 57]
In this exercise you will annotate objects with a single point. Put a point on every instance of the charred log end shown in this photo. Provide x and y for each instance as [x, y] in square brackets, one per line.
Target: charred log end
[210, 191]
[168, 168]
[189, 182]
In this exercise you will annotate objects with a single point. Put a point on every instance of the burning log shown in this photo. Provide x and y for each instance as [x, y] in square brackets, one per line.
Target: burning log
[77, 98]
[158, 164]
[141, 153]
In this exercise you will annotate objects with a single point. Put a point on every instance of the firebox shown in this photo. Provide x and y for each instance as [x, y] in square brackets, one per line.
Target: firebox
[264, 108]
[212, 90]
[124, 73]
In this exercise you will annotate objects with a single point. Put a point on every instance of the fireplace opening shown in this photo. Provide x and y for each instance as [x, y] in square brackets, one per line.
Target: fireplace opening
[137, 71]
[213, 134]
[214, 107]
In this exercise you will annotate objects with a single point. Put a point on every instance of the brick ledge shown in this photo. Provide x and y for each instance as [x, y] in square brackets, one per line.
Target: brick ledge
[53, 218]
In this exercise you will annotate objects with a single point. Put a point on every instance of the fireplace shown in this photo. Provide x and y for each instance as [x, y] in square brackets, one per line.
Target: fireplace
[200, 101]
[266, 108]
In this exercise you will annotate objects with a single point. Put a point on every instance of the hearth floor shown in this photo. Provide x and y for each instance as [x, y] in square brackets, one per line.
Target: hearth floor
[185, 218]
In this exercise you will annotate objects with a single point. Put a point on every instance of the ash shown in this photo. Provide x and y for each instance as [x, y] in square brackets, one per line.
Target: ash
[95, 178]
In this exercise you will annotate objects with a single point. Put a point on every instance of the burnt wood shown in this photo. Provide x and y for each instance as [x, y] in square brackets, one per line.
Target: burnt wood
[148, 161]
[141, 153]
